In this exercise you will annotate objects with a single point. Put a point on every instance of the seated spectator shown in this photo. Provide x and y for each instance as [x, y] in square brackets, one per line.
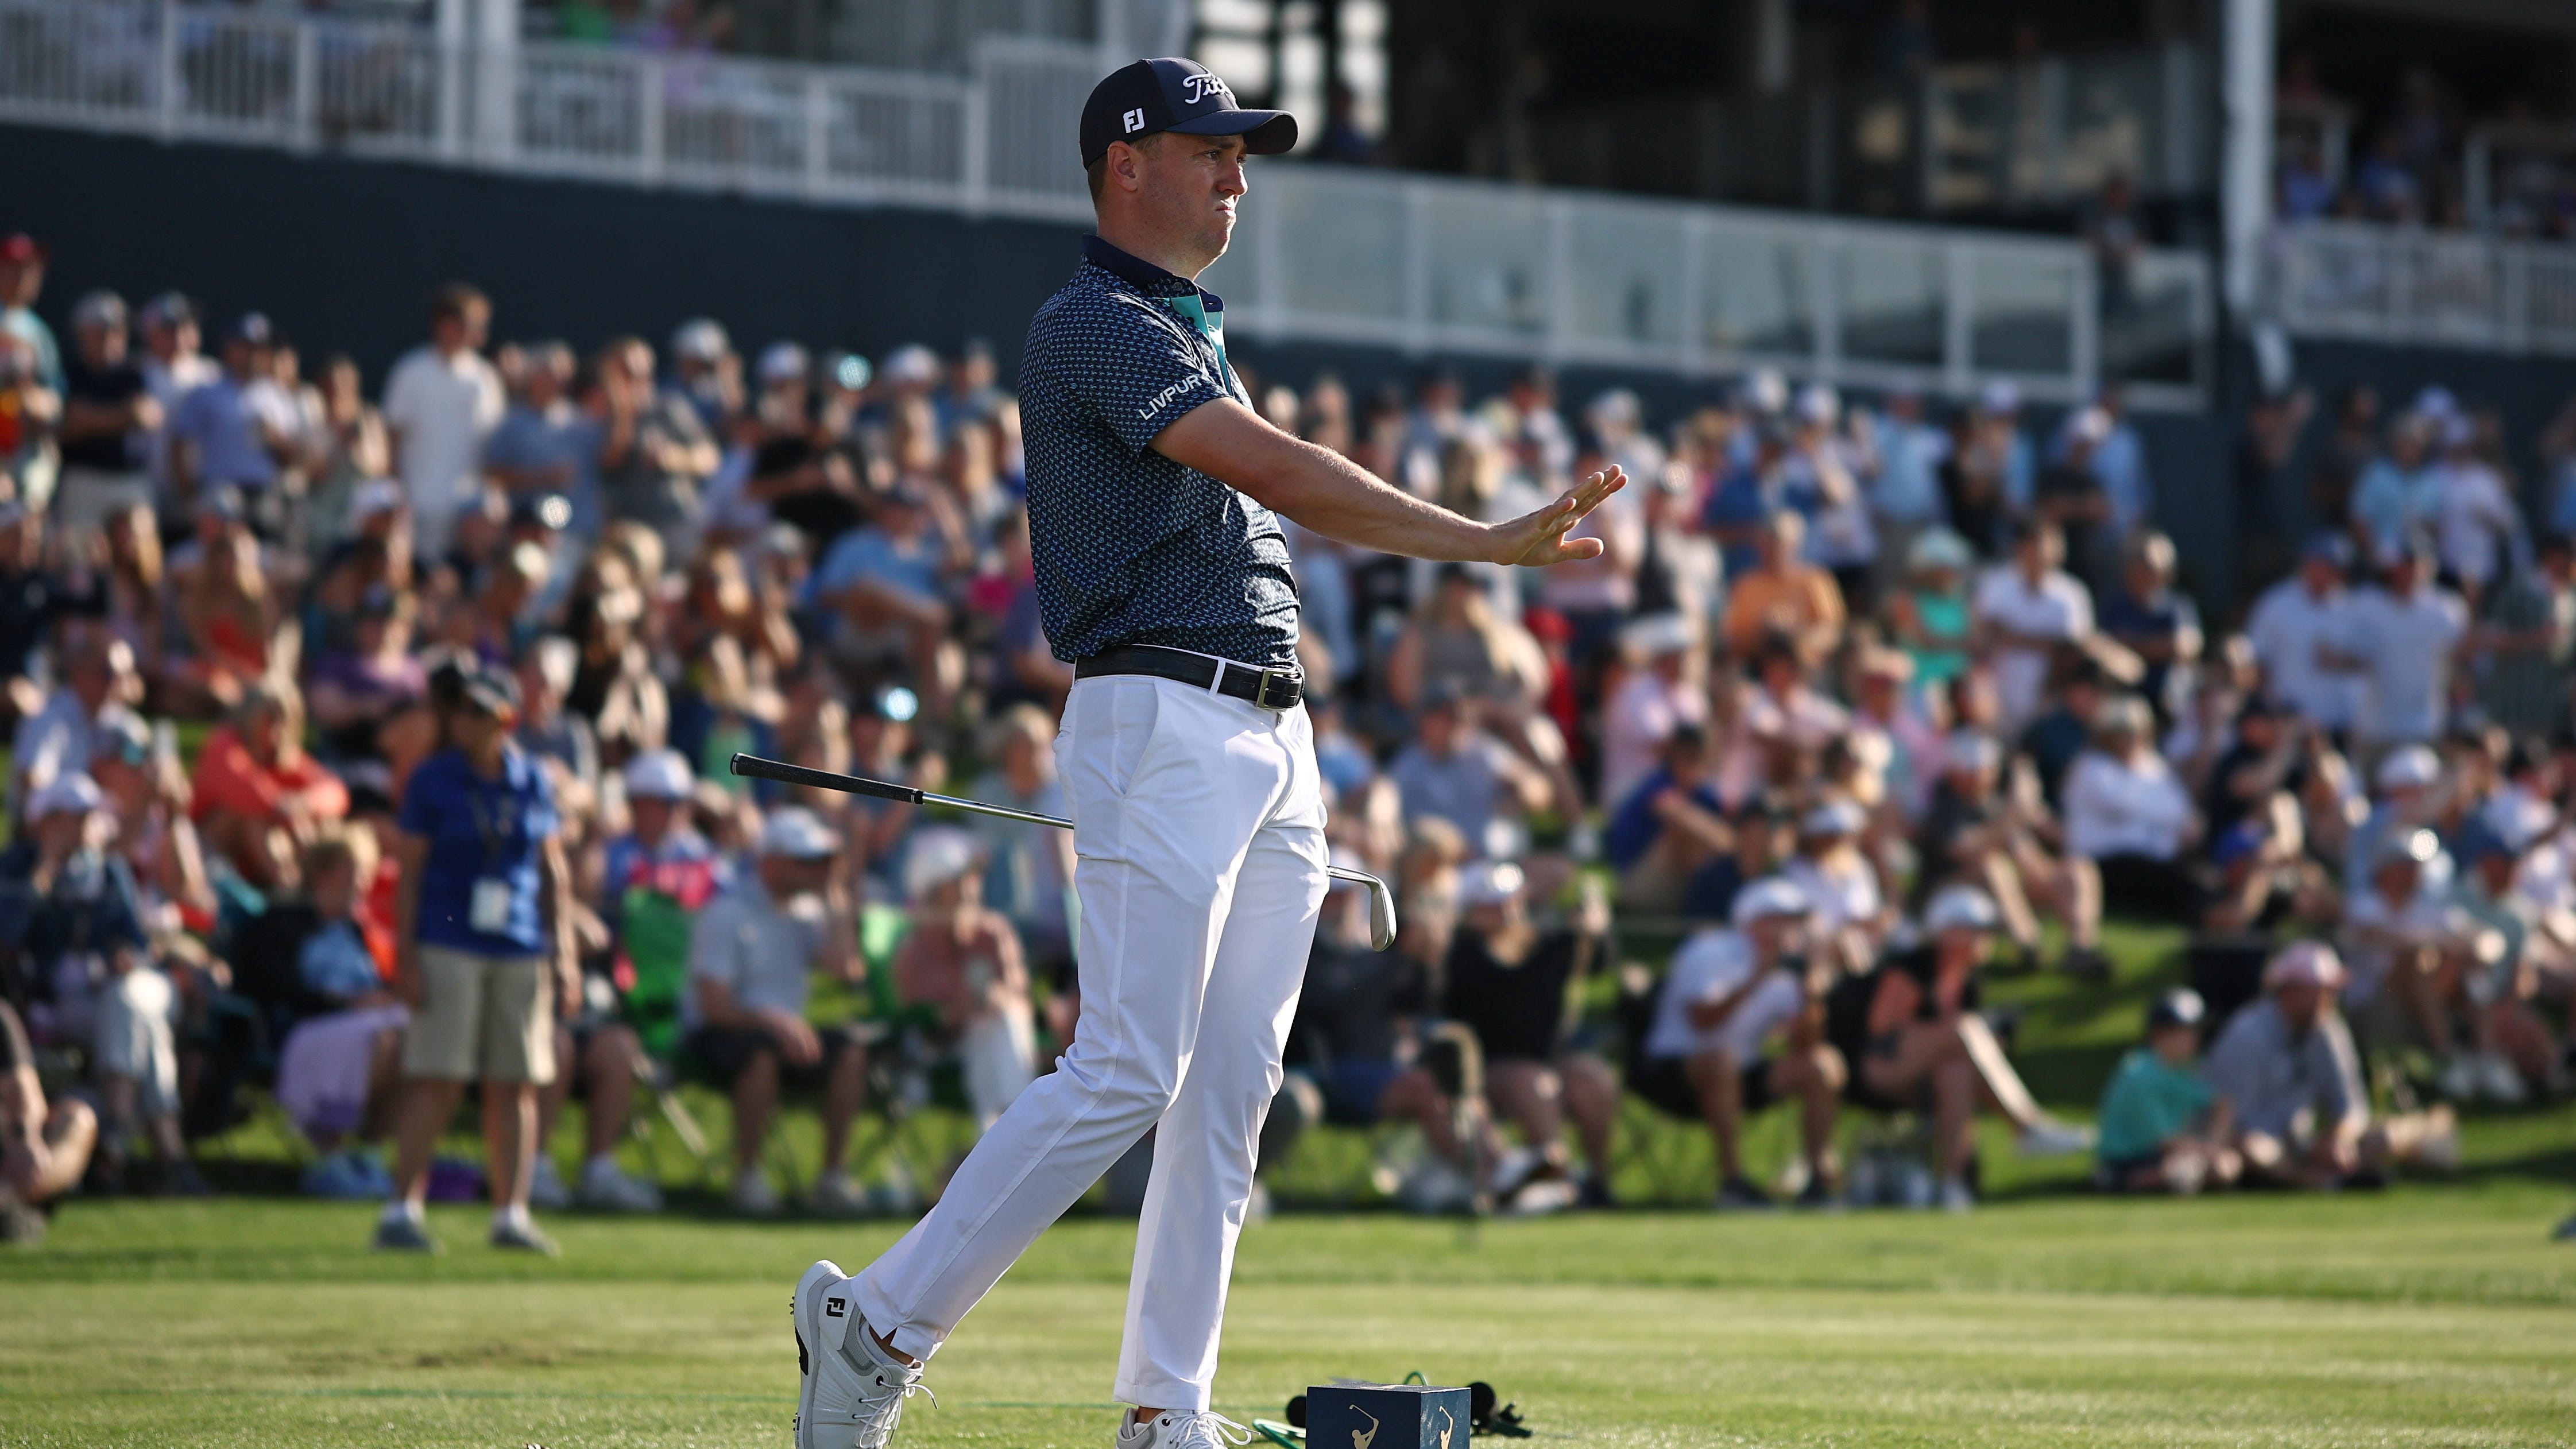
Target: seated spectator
[355, 690]
[1358, 1035]
[547, 730]
[2023, 612]
[44, 1146]
[2411, 954]
[1730, 992]
[1852, 915]
[653, 879]
[2064, 729]
[1911, 1031]
[1662, 692]
[65, 734]
[1783, 596]
[1028, 869]
[2163, 1129]
[1670, 830]
[1454, 771]
[1779, 728]
[69, 919]
[960, 976]
[1928, 617]
[1457, 640]
[232, 619]
[752, 953]
[1508, 982]
[147, 794]
[2129, 818]
[2287, 1067]
[886, 586]
[2152, 619]
[257, 796]
[321, 970]
[2515, 1049]
[2000, 838]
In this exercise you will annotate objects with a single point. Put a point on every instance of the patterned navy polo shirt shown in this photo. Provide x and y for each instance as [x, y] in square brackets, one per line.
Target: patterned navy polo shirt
[1131, 547]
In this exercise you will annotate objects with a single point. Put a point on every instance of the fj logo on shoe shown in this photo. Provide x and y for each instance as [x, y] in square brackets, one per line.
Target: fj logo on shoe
[836, 1307]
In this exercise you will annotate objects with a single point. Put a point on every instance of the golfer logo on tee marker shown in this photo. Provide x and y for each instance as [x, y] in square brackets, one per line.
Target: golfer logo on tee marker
[1163, 578]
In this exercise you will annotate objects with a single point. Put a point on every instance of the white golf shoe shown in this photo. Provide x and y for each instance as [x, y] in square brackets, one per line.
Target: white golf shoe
[852, 1392]
[1181, 1429]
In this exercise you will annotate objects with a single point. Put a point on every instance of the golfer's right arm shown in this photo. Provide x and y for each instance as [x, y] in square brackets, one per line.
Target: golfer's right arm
[1326, 492]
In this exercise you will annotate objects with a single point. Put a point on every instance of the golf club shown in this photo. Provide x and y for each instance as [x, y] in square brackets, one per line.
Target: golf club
[1381, 901]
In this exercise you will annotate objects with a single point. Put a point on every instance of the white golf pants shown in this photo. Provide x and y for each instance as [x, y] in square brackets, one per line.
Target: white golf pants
[1199, 845]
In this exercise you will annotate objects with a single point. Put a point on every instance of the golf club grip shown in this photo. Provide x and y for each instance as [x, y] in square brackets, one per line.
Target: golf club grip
[756, 768]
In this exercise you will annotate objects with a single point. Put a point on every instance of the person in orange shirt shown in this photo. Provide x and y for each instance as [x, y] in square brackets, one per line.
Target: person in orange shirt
[1783, 595]
[258, 798]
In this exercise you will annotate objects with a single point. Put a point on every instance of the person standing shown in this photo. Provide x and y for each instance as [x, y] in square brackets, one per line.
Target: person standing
[109, 416]
[442, 401]
[1189, 764]
[483, 952]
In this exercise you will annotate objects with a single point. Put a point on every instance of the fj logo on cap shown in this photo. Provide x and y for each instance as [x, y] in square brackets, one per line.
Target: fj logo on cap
[1200, 87]
[1134, 120]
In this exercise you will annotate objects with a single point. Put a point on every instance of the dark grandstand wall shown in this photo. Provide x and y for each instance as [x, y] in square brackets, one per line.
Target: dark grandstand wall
[343, 254]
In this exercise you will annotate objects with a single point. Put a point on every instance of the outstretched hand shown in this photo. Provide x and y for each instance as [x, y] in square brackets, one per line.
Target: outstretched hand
[1537, 538]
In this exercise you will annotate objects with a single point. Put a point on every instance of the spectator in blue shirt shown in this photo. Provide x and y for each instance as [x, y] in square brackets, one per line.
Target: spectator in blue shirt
[483, 945]
[544, 444]
[231, 430]
[887, 584]
[1671, 828]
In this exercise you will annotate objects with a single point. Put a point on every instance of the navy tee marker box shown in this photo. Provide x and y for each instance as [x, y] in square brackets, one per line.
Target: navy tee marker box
[1385, 1416]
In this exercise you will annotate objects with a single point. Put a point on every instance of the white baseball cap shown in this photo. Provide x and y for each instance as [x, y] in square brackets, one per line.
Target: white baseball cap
[1962, 907]
[912, 364]
[700, 339]
[1971, 751]
[937, 855]
[1489, 883]
[782, 362]
[376, 495]
[797, 834]
[2408, 767]
[1819, 404]
[2304, 963]
[1656, 635]
[1770, 896]
[1834, 817]
[659, 775]
[75, 794]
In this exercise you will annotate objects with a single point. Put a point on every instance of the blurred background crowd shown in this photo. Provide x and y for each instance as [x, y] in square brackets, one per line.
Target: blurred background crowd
[370, 740]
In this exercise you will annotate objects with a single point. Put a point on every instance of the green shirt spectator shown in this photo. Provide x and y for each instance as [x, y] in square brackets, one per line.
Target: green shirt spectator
[2149, 1102]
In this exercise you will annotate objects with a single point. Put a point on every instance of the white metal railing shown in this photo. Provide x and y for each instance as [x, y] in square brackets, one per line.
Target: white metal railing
[2401, 285]
[1327, 254]
[1430, 265]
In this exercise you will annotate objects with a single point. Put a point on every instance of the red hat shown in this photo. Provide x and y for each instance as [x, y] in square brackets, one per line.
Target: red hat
[18, 249]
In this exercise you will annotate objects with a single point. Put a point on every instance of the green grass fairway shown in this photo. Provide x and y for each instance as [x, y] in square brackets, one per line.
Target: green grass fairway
[2436, 1316]
[2430, 1315]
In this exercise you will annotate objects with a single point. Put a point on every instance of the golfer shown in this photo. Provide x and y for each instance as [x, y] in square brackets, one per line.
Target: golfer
[1188, 765]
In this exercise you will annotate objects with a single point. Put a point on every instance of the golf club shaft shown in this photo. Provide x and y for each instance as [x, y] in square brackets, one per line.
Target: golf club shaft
[754, 767]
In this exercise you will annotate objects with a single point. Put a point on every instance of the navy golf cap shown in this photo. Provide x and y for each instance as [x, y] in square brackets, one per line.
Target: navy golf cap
[1175, 94]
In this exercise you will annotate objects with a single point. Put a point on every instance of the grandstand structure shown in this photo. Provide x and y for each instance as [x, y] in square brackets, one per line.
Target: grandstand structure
[1912, 247]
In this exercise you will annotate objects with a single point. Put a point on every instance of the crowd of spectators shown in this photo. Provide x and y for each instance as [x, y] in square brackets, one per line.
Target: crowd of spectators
[372, 744]
[2411, 155]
